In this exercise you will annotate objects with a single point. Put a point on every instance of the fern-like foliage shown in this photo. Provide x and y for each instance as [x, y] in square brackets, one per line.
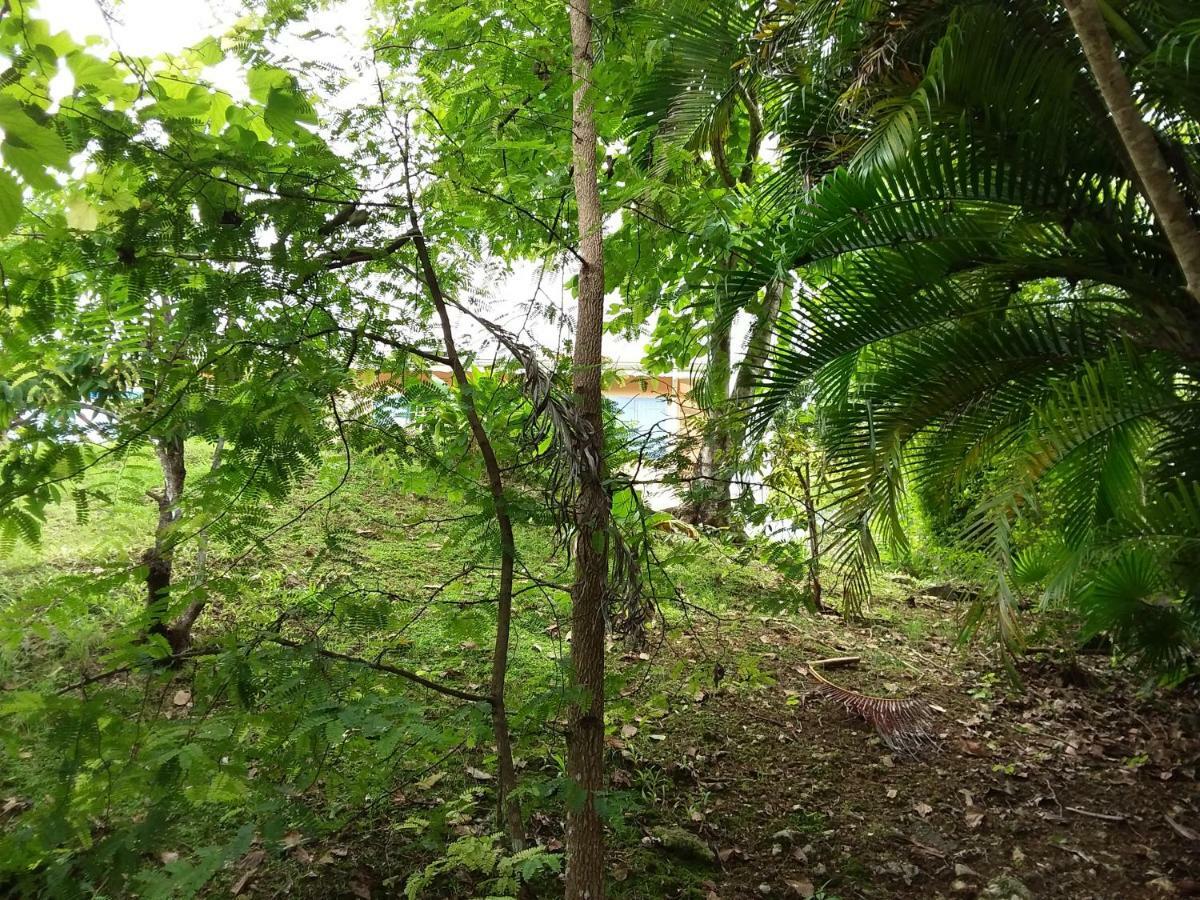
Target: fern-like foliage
[986, 295]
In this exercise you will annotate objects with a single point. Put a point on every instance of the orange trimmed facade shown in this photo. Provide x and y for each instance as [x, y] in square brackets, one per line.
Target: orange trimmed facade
[674, 389]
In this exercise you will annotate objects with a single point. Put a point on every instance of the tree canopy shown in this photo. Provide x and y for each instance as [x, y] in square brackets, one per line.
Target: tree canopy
[928, 270]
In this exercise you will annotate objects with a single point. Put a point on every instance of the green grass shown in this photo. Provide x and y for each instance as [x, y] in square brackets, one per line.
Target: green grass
[117, 524]
[389, 564]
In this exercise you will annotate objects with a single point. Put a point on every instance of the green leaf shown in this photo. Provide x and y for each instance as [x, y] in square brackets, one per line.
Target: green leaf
[91, 71]
[30, 146]
[264, 79]
[10, 203]
[285, 108]
[209, 51]
[81, 215]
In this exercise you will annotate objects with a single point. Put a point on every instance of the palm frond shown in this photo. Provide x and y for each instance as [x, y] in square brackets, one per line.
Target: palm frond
[902, 724]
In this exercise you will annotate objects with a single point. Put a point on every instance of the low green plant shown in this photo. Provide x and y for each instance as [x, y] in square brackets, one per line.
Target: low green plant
[499, 873]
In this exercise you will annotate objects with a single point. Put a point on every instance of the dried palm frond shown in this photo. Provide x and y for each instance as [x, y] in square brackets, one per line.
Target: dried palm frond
[555, 417]
[903, 724]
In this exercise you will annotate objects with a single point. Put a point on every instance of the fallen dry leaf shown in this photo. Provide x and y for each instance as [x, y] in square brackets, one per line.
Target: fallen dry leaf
[1182, 830]
[249, 865]
[802, 888]
[922, 809]
[240, 884]
[925, 848]
[182, 698]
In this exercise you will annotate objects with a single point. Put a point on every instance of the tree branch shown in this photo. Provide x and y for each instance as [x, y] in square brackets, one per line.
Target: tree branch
[383, 667]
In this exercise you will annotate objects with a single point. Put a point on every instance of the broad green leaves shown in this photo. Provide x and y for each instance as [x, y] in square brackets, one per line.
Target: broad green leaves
[31, 144]
[10, 203]
[284, 106]
[82, 215]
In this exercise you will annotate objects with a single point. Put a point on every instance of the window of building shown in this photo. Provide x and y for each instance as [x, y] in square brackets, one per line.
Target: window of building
[649, 417]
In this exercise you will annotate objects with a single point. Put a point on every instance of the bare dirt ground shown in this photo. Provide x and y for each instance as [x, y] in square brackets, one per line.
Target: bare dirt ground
[733, 778]
[1077, 786]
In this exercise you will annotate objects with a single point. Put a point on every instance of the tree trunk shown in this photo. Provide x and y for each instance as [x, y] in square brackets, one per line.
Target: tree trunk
[722, 449]
[814, 538]
[508, 807]
[759, 344]
[757, 348]
[159, 559]
[1139, 139]
[713, 503]
[585, 727]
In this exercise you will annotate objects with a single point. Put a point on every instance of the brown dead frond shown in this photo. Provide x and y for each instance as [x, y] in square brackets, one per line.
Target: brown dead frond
[903, 724]
[555, 420]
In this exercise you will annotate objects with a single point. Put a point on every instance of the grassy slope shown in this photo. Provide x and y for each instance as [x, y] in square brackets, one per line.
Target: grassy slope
[373, 568]
[714, 731]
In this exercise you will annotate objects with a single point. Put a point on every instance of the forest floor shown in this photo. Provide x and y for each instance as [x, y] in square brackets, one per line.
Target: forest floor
[731, 777]
[1074, 786]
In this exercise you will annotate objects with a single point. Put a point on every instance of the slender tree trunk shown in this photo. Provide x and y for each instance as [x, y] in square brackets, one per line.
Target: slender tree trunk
[713, 504]
[159, 559]
[722, 449]
[506, 782]
[585, 727]
[814, 538]
[757, 348]
[759, 344]
[1139, 139]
